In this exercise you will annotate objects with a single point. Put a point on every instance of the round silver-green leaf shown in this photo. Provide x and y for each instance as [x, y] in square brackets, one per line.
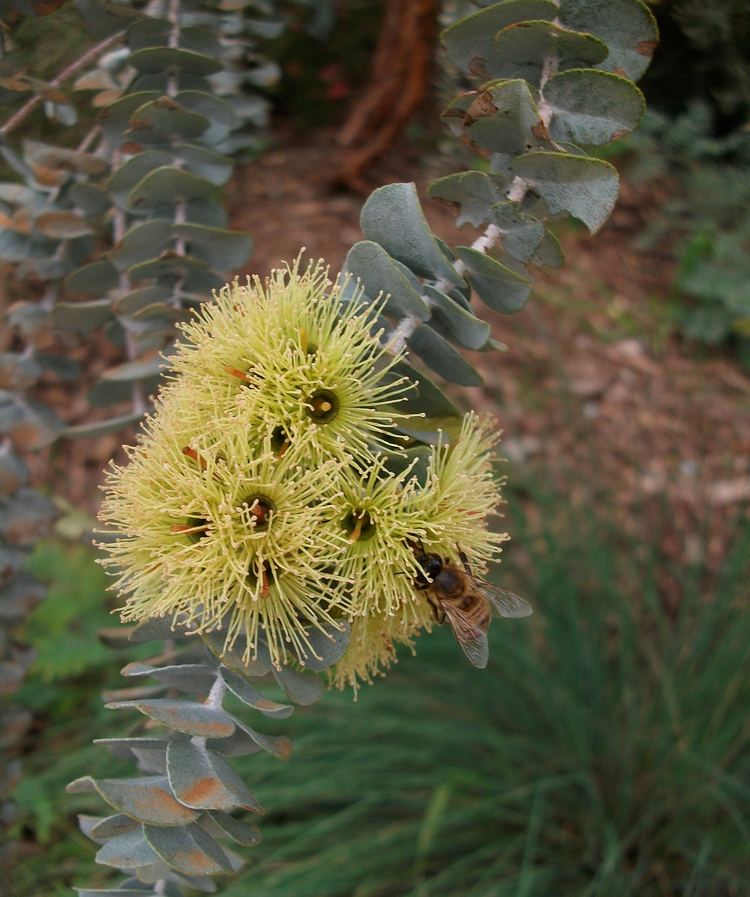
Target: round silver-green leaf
[590, 107]
[586, 188]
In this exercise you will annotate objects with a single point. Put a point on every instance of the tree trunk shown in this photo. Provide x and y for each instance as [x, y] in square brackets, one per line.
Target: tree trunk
[399, 79]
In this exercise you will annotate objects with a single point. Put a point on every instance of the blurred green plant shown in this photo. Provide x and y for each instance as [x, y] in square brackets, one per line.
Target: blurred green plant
[706, 220]
[707, 44]
[605, 751]
[63, 627]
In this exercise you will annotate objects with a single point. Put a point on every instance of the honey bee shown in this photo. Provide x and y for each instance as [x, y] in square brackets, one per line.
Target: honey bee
[464, 600]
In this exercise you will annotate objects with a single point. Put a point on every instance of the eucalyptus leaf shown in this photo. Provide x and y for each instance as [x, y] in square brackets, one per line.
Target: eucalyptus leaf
[248, 694]
[101, 427]
[193, 678]
[393, 217]
[470, 42]
[378, 272]
[135, 301]
[328, 647]
[188, 849]
[159, 59]
[549, 253]
[433, 430]
[439, 355]
[222, 249]
[168, 184]
[241, 832]
[115, 118]
[416, 460]
[111, 826]
[586, 188]
[521, 234]
[522, 49]
[95, 279]
[461, 325]
[279, 746]
[132, 172]
[591, 107]
[141, 369]
[127, 851]
[628, 27]
[473, 192]
[147, 799]
[116, 892]
[425, 397]
[507, 119]
[196, 277]
[204, 162]
[58, 158]
[218, 112]
[183, 716]
[90, 199]
[150, 31]
[203, 780]
[164, 119]
[302, 688]
[145, 240]
[498, 286]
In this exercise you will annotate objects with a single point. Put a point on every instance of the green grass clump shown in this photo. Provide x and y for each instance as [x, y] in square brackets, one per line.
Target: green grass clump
[604, 752]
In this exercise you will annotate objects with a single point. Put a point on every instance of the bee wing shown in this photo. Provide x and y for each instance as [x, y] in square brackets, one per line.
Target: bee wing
[505, 603]
[471, 638]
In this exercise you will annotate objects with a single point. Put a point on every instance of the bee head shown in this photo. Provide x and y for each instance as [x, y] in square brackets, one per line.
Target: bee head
[431, 564]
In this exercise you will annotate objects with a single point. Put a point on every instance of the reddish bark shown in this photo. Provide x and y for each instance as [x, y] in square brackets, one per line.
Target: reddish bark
[398, 82]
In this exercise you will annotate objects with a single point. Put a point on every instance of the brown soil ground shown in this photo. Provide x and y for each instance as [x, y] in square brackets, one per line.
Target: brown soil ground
[596, 396]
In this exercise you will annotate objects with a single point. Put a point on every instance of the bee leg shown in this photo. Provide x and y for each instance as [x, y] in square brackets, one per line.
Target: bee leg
[464, 561]
[437, 612]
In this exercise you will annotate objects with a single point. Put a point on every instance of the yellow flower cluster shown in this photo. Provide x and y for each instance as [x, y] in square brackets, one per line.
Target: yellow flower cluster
[260, 497]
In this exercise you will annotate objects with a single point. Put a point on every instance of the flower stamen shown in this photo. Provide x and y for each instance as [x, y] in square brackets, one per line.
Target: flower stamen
[195, 528]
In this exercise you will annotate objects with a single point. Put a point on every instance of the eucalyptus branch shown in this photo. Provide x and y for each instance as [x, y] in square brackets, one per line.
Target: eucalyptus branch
[86, 59]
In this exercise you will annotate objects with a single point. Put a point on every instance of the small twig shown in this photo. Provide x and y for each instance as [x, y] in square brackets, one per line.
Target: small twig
[215, 697]
[30, 105]
[173, 15]
[406, 326]
[84, 145]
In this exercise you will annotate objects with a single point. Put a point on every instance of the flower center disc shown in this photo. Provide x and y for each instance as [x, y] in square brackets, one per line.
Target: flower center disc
[280, 442]
[323, 406]
[260, 508]
[359, 525]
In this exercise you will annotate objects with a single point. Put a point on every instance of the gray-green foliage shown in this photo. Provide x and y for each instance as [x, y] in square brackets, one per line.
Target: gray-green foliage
[127, 230]
[25, 517]
[168, 826]
[123, 231]
[552, 80]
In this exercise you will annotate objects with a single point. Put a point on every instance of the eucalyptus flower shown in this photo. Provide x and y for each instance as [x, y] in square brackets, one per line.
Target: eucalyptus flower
[221, 534]
[373, 641]
[446, 515]
[461, 491]
[291, 355]
[378, 513]
[259, 499]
